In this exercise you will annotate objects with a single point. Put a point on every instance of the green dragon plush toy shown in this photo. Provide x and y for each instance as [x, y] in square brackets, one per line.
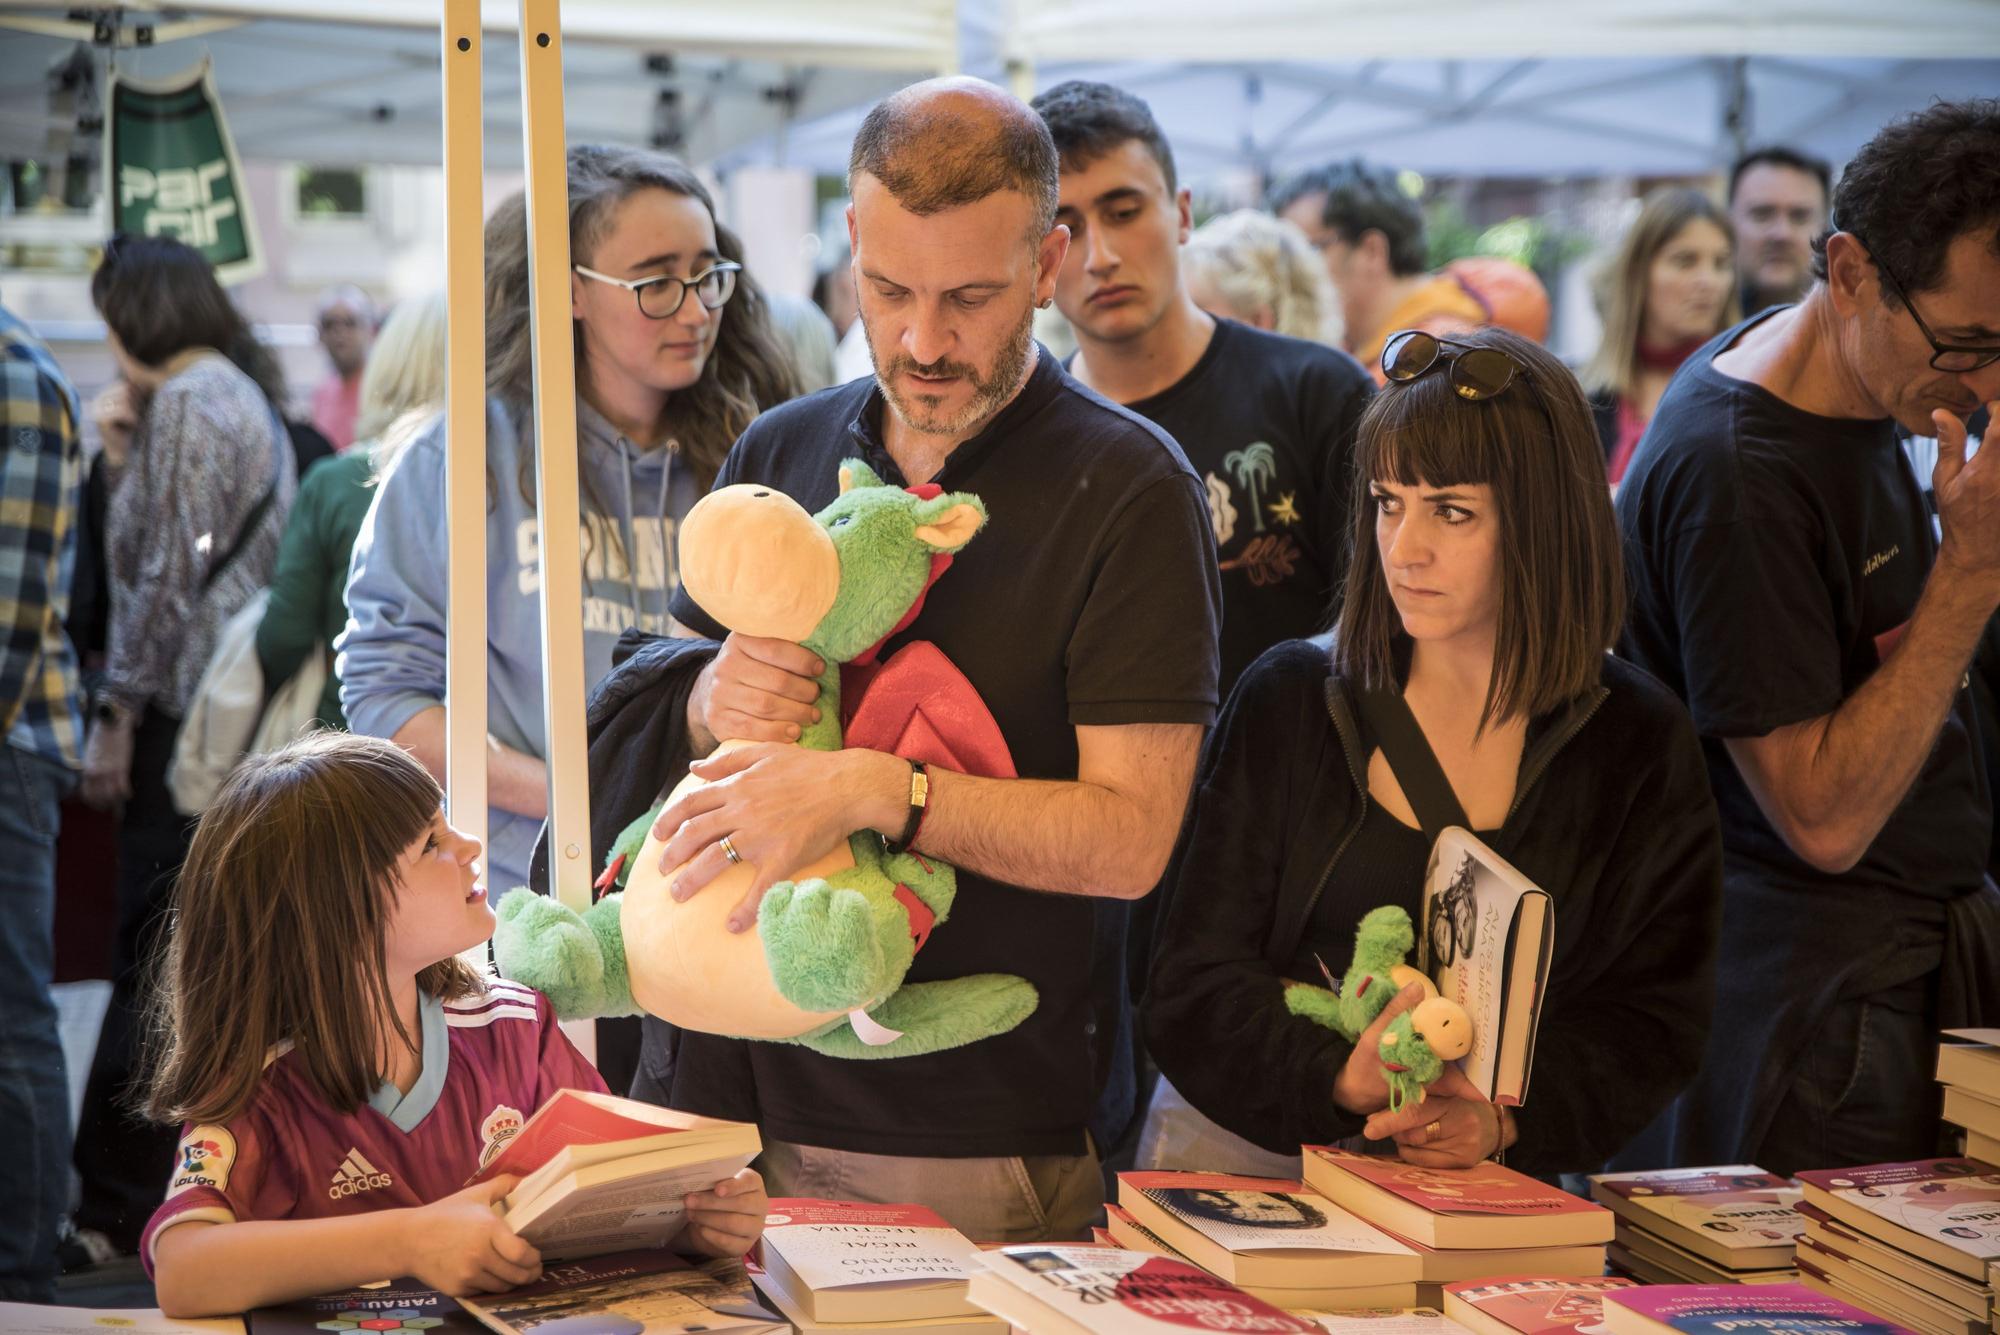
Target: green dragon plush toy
[833, 941]
[1417, 1043]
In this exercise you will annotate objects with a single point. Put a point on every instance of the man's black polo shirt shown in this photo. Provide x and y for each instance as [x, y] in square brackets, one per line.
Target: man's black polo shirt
[1090, 598]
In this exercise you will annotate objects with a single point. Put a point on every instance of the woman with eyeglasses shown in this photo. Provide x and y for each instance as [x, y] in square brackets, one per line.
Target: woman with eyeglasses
[674, 357]
[1484, 593]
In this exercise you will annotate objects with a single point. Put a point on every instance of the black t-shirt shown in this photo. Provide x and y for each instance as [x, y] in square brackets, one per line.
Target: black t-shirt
[1776, 557]
[1267, 422]
[1090, 598]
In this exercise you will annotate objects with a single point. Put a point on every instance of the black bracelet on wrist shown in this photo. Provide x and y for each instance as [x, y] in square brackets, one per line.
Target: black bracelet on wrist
[920, 794]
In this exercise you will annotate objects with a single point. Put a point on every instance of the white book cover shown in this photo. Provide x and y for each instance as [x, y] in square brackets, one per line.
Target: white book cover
[844, 1244]
[1954, 1203]
[1487, 936]
[1246, 1214]
[850, 1261]
[1105, 1291]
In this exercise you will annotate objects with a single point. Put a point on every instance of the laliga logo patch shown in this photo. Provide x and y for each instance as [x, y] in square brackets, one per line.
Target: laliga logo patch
[501, 1125]
[204, 1159]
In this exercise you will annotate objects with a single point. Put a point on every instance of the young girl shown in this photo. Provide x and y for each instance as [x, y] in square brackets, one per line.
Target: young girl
[341, 1072]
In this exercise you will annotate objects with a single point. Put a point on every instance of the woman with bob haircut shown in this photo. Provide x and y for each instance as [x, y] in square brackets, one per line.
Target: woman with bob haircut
[1485, 589]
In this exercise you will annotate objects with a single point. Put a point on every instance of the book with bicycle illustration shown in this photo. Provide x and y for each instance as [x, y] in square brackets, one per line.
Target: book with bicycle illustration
[1488, 934]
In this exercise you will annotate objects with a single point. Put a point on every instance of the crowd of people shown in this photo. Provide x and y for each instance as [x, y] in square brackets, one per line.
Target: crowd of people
[1685, 635]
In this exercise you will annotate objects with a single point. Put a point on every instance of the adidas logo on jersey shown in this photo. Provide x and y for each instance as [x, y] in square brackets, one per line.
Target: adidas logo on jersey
[356, 1175]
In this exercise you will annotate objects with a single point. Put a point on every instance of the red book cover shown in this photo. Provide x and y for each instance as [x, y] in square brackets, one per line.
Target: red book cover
[1488, 1188]
[1541, 1306]
[570, 1118]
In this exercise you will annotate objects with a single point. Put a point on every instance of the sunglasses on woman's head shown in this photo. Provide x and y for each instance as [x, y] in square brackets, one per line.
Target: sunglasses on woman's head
[1476, 373]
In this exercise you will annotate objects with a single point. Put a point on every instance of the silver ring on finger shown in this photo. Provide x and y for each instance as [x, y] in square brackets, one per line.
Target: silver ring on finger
[729, 851]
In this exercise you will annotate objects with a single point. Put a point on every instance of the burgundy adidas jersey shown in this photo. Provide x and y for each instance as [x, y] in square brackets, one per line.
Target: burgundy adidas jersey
[488, 1063]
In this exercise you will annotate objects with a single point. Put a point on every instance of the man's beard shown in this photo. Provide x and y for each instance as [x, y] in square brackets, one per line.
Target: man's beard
[919, 412]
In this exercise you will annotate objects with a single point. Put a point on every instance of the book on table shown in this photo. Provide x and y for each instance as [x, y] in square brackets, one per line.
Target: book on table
[1383, 1321]
[405, 1303]
[843, 1261]
[1719, 1309]
[1826, 1270]
[1531, 1304]
[1970, 1060]
[1943, 1211]
[1056, 1289]
[1265, 1231]
[1828, 1235]
[1973, 1113]
[1737, 1217]
[1488, 1205]
[604, 1174]
[1127, 1232]
[1985, 1148]
[652, 1292]
[1488, 933]
[1653, 1260]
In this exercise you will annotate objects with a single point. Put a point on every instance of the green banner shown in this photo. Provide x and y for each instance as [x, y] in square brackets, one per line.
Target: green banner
[173, 170]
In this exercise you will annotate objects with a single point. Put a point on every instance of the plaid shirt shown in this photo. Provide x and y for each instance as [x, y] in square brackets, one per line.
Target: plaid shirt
[41, 475]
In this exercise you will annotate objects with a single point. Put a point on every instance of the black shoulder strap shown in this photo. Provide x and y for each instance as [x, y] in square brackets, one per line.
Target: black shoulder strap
[1414, 763]
[248, 529]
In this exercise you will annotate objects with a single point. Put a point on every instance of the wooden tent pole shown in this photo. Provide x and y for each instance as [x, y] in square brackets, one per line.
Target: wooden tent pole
[465, 427]
[556, 500]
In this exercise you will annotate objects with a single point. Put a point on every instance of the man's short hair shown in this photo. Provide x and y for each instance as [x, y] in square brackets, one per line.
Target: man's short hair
[1777, 155]
[1362, 199]
[932, 157]
[1088, 120]
[1923, 181]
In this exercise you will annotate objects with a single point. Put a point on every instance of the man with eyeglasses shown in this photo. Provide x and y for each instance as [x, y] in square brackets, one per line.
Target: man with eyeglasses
[346, 320]
[1793, 587]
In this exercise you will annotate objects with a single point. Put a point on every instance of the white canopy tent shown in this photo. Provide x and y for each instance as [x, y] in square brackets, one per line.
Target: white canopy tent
[315, 80]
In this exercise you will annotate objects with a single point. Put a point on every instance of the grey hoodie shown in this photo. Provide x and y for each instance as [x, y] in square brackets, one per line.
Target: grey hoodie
[391, 660]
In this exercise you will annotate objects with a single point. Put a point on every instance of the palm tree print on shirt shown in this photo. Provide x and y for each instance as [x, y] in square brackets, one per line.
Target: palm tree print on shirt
[1254, 466]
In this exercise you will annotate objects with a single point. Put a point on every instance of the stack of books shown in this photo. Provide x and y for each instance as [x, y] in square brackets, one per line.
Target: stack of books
[1055, 1289]
[1913, 1242]
[1531, 1304]
[1271, 1237]
[1969, 1070]
[834, 1266]
[1734, 1225]
[1714, 1309]
[1466, 1223]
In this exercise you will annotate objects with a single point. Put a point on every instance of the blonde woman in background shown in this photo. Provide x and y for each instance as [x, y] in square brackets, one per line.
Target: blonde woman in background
[1261, 270]
[402, 388]
[1670, 288]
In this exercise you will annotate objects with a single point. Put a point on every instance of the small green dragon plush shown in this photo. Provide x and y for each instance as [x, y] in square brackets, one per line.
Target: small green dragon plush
[1417, 1043]
[826, 963]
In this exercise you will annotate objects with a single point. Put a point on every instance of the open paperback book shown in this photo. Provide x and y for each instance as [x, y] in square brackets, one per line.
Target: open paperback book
[844, 1261]
[604, 1174]
[1488, 934]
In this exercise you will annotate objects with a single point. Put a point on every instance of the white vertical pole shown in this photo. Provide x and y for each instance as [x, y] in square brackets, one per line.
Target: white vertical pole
[465, 428]
[555, 463]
